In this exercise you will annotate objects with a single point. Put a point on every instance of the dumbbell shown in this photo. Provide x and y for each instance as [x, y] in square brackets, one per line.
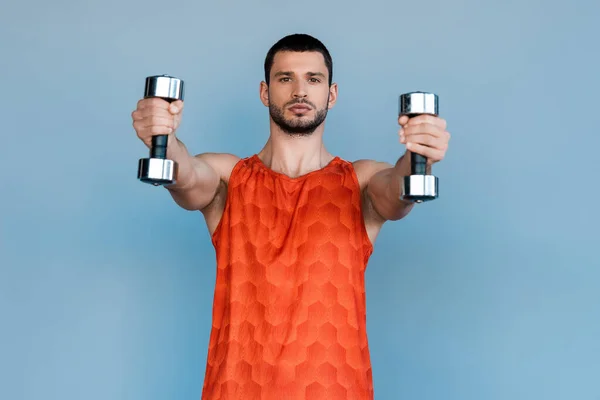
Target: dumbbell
[418, 187]
[157, 169]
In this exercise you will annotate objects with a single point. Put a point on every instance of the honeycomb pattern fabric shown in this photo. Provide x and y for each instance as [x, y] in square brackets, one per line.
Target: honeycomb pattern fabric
[289, 311]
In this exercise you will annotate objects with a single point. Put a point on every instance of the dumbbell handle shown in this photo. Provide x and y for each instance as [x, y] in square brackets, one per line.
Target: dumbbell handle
[159, 147]
[418, 163]
[159, 142]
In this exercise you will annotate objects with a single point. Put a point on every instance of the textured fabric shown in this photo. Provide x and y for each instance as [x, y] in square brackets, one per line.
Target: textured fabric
[289, 312]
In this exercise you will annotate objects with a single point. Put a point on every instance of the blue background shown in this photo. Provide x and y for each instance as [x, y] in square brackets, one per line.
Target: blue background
[490, 292]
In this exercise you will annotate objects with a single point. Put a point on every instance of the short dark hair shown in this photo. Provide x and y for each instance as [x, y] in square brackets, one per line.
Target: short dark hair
[299, 42]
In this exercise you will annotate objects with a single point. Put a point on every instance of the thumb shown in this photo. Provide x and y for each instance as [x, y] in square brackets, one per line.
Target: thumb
[403, 120]
[176, 107]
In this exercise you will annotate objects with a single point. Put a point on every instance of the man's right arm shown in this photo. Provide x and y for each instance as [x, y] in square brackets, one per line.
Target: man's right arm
[198, 177]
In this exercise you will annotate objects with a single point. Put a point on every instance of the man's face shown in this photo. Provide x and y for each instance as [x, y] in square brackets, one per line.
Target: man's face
[299, 94]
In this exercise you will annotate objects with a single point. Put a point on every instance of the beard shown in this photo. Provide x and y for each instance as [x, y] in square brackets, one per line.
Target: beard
[300, 126]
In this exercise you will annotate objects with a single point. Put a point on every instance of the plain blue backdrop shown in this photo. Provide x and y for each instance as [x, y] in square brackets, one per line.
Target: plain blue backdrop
[492, 292]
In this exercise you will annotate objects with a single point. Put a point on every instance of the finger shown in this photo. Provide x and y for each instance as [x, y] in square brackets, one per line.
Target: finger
[176, 107]
[425, 140]
[157, 121]
[402, 136]
[144, 131]
[149, 112]
[160, 130]
[428, 119]
[420, 129]
[432, 155]
[153, 102]
[403, 120]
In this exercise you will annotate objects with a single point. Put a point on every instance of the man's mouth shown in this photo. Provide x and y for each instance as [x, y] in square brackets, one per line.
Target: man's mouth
[299, 108]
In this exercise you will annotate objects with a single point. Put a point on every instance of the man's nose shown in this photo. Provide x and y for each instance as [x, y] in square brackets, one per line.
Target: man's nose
[299, 90]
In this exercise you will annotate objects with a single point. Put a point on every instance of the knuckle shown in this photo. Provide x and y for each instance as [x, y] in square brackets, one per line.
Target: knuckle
[146, 102]
[156, 129]
[426, 119]
[424, 139]
[137, 126]
[152, 111]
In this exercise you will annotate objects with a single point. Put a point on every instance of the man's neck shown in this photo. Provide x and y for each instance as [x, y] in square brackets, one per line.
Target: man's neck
[294, 155]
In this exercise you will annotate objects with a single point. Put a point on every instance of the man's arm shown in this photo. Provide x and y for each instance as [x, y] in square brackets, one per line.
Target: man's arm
[383, 189]
[198, 178]
[425, 135]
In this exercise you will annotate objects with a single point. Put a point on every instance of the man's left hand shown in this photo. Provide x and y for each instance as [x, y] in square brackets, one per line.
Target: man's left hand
[425, 135]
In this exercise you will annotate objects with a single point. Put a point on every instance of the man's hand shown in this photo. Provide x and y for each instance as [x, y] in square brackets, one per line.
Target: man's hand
[155, 116]
[425, 135]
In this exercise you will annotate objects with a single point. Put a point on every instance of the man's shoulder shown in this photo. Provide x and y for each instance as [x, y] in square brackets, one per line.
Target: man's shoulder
[218, 157]
[366, 168]
[222, 163]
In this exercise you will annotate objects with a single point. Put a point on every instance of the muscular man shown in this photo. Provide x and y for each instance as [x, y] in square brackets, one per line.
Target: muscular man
[293, 228]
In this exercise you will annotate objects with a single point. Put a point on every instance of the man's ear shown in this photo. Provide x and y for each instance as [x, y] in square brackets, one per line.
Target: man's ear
[333, 92]
[264, 93]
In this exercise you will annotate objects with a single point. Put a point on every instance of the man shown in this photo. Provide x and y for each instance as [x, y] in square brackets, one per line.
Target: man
[293, 227]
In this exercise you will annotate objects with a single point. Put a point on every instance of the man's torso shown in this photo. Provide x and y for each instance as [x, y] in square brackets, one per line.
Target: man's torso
[289, 312]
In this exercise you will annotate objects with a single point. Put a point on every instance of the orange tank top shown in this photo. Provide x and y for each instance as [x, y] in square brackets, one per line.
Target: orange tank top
[289, 311]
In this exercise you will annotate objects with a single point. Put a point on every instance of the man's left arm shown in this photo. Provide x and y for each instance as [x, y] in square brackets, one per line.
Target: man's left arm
[425, 135]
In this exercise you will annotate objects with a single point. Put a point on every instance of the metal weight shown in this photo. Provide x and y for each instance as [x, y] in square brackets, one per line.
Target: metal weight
[157, 169]
[418, 187]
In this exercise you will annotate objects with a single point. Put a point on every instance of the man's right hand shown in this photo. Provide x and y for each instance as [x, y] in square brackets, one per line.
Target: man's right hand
[155, 116]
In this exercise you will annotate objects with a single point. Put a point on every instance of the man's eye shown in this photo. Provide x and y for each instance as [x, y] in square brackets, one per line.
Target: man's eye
[315, 80]
[284, 79]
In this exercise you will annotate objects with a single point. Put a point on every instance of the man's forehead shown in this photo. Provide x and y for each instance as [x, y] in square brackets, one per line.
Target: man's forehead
[296, 61]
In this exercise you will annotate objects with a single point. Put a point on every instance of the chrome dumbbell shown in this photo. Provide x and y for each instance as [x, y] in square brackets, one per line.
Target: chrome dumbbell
[157, 169]
[419, 186]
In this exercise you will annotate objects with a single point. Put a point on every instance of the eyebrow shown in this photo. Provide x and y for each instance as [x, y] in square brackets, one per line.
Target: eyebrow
[288, 73]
